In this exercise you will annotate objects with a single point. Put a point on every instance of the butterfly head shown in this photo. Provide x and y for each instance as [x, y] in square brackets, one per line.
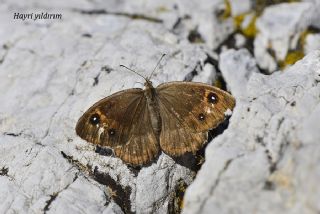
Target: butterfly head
[148, 84]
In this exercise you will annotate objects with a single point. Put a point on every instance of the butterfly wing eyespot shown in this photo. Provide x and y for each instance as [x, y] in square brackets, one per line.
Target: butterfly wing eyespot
[121, 122]
[188, 110]
[112, 132]
[212, 98]
[201, 117]
[94, 119]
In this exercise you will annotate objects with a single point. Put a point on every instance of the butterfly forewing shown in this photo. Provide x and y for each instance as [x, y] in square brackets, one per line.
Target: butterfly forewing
[117, 122]
[188, 110]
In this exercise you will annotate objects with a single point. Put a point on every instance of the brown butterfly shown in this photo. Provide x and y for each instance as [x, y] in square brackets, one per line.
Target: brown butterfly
[138, 123]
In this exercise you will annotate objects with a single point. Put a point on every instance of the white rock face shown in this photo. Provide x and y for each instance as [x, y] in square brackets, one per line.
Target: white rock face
[267, 160]
[237, 68]
[239, 7]
[51, 71]
[312, 43]
[279, 29]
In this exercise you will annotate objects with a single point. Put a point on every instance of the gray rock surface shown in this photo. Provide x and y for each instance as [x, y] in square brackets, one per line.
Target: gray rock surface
[312, 43]
[280, 27]
[51, 71]
[267, 161]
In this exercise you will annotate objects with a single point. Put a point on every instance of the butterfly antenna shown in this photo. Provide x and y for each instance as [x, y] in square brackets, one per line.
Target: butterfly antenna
[156, 66]
[133, 71]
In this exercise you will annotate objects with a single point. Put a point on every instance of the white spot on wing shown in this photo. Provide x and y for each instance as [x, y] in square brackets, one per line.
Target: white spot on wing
[228, 112]
[101, 129]
[208, 110]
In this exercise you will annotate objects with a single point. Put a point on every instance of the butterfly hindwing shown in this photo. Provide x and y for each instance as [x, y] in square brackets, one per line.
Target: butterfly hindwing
[188, 110]
[117, 122]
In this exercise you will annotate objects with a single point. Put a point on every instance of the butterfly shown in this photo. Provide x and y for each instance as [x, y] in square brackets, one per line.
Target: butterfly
[173, 117]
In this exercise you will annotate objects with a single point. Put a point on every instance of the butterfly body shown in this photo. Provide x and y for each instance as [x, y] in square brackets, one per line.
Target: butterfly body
[153, 107]
[173, 117]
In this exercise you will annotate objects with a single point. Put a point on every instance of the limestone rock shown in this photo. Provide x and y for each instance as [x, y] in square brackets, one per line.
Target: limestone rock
[280, 27]
[267, 160]
[51, 71]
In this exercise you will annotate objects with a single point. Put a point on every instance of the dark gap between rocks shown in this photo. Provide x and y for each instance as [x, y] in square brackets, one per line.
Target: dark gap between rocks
[131, 16]
[86, 35]
[195, 37]
[219, 81]
[104, 68]
[176, 27]
[6, 47]
[193, 73]
[269, 185]
[48, 202]
[176, 203]
[76, 163]
[4, 171]
[107, 69]
[55, 195]
[230, 43]
[12, 134]
[96, 80]
[120, 195]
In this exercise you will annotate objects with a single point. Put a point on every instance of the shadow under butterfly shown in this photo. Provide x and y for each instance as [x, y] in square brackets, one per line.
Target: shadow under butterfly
[138, 124]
